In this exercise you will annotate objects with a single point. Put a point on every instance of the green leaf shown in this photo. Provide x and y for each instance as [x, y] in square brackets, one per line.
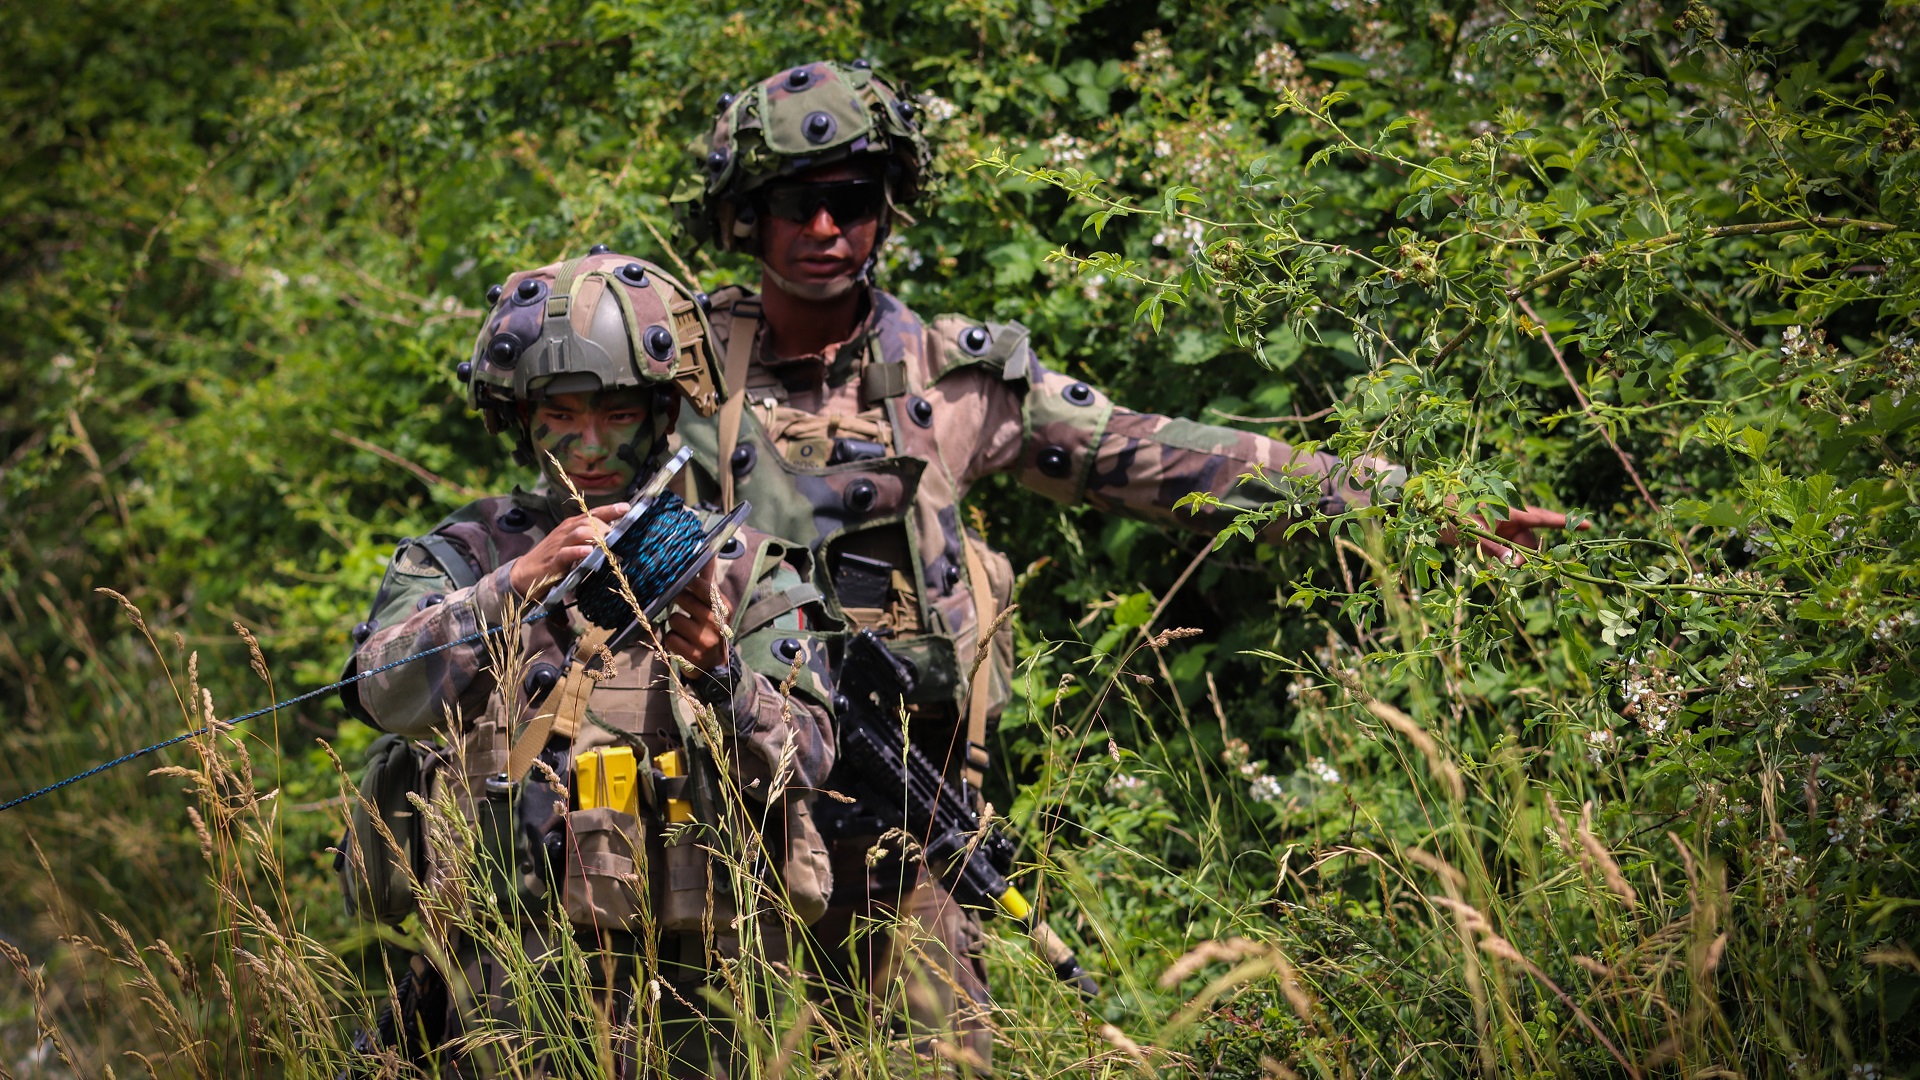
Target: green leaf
[1339, 64]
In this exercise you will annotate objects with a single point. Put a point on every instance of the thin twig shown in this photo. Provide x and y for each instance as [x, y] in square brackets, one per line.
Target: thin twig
[1146, 629]
[1586, 406]
[1271, 419]
[1597, 260]
[426, 476]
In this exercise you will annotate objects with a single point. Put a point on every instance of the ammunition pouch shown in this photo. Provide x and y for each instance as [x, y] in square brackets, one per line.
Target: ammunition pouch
[606, 869]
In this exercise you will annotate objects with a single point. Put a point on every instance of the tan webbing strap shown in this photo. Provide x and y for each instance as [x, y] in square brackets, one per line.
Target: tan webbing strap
[881, 380]
[566, 707]
[740, 339]
[977, 694]
[768, 608]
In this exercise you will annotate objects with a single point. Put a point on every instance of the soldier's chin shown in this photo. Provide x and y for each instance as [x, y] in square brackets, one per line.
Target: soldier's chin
[831, 289]
[597, 492]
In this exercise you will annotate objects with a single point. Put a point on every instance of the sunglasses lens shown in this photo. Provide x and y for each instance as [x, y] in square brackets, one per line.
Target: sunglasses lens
[848, 202]
[855, 204]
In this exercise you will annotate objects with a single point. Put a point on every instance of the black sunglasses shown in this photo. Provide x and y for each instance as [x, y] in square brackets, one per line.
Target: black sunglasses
[848, 202]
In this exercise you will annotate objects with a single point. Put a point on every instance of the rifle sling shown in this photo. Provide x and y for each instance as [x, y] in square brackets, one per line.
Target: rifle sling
[742, 335]
[568, 706]
[981, 688]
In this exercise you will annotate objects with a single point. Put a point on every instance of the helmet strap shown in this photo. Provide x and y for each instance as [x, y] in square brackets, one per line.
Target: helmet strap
[826, 290]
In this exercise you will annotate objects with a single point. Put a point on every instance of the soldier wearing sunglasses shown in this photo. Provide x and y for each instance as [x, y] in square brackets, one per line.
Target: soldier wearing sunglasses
[857, 427]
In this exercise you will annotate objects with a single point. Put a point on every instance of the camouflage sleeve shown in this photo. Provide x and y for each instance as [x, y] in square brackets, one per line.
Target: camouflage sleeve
[1065, 439]
[780, 704]
[1079, 447]
[419, 607]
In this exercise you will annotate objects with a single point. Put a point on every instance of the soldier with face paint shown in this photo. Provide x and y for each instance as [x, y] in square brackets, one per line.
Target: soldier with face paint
[857, 427]
[586, 363]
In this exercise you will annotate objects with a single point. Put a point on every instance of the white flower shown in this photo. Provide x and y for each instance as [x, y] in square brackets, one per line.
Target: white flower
[1277, 62]
[1266, 789]
[1322, 771]
[1187, 234]
[1598, 743]
[937, 108]
[1066, 150]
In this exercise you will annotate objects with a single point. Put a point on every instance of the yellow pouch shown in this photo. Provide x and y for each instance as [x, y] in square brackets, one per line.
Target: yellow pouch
[678, 810]
[608, 778]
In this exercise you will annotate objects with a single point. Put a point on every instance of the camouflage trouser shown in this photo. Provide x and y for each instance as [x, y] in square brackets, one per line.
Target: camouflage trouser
[917, 954]
[533, 1021]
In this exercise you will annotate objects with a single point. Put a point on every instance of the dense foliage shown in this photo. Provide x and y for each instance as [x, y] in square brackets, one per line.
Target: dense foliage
[1646, 803]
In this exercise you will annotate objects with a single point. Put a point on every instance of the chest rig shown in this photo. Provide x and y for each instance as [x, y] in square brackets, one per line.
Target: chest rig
[589, 778]
[871, 496]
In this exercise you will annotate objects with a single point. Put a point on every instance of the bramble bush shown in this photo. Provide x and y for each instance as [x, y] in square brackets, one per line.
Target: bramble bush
[1644, 804]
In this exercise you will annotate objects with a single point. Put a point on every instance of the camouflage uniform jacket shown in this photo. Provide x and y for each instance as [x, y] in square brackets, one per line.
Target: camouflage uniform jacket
[952, 402]
[422, 604]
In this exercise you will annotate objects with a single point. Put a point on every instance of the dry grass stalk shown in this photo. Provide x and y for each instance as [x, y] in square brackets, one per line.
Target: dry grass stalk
[1252, 960]
[983, 648]
[1277, 1069]
[1474, 921]
[1119, 1040]
[1901, 955]
[133, 612]
[1438, 866]
[255, 658]
[1442, 769]
[1609, 870]
[1168, 637]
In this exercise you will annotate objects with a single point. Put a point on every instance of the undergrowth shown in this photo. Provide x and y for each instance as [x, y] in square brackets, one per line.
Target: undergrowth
[1642, 805]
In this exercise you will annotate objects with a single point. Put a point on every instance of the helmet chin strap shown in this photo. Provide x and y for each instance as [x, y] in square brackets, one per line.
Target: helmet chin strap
[824, 290]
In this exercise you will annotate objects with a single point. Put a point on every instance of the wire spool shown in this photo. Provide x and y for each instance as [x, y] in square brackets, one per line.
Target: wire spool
[657, 554]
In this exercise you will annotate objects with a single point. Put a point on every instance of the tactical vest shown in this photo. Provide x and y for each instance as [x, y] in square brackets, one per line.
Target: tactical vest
[528, 840]
[873, 500]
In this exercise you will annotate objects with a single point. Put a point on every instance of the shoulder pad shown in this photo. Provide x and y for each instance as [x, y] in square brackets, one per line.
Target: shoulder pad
[724, 296]
[962, 342]
[477, 512]
[448, 554]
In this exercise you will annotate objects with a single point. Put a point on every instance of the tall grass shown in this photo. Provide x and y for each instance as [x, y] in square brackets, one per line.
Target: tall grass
[1430, 898]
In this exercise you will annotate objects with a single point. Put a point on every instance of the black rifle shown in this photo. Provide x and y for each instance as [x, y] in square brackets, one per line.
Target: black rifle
[896, 786]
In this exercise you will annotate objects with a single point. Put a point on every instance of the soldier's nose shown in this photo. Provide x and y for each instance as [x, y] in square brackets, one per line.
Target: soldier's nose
[822, 226]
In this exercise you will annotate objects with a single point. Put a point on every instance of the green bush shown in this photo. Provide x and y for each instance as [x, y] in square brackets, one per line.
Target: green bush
[1645, 803]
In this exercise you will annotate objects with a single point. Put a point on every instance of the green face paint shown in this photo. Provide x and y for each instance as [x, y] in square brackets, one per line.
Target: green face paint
[597, 441]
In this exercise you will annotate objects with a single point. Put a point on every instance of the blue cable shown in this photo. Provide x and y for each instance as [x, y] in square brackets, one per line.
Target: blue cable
[243, 718]
[669, 533]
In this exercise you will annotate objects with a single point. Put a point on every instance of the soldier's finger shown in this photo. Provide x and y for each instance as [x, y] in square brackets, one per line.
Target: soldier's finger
[696, 600]
[698, 645]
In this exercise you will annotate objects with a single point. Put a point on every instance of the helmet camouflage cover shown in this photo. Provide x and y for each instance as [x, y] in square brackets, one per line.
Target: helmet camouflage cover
[600, 322]
[812, 115]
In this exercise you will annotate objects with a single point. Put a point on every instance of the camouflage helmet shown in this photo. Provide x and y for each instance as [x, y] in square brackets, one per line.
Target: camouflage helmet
[600, 322]
[805, 117]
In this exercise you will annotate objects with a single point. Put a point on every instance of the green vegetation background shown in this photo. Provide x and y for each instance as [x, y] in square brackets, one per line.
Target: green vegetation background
[1654, 263]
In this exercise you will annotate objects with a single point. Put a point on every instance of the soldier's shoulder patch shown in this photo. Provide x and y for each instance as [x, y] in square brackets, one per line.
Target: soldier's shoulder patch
[963, 342]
